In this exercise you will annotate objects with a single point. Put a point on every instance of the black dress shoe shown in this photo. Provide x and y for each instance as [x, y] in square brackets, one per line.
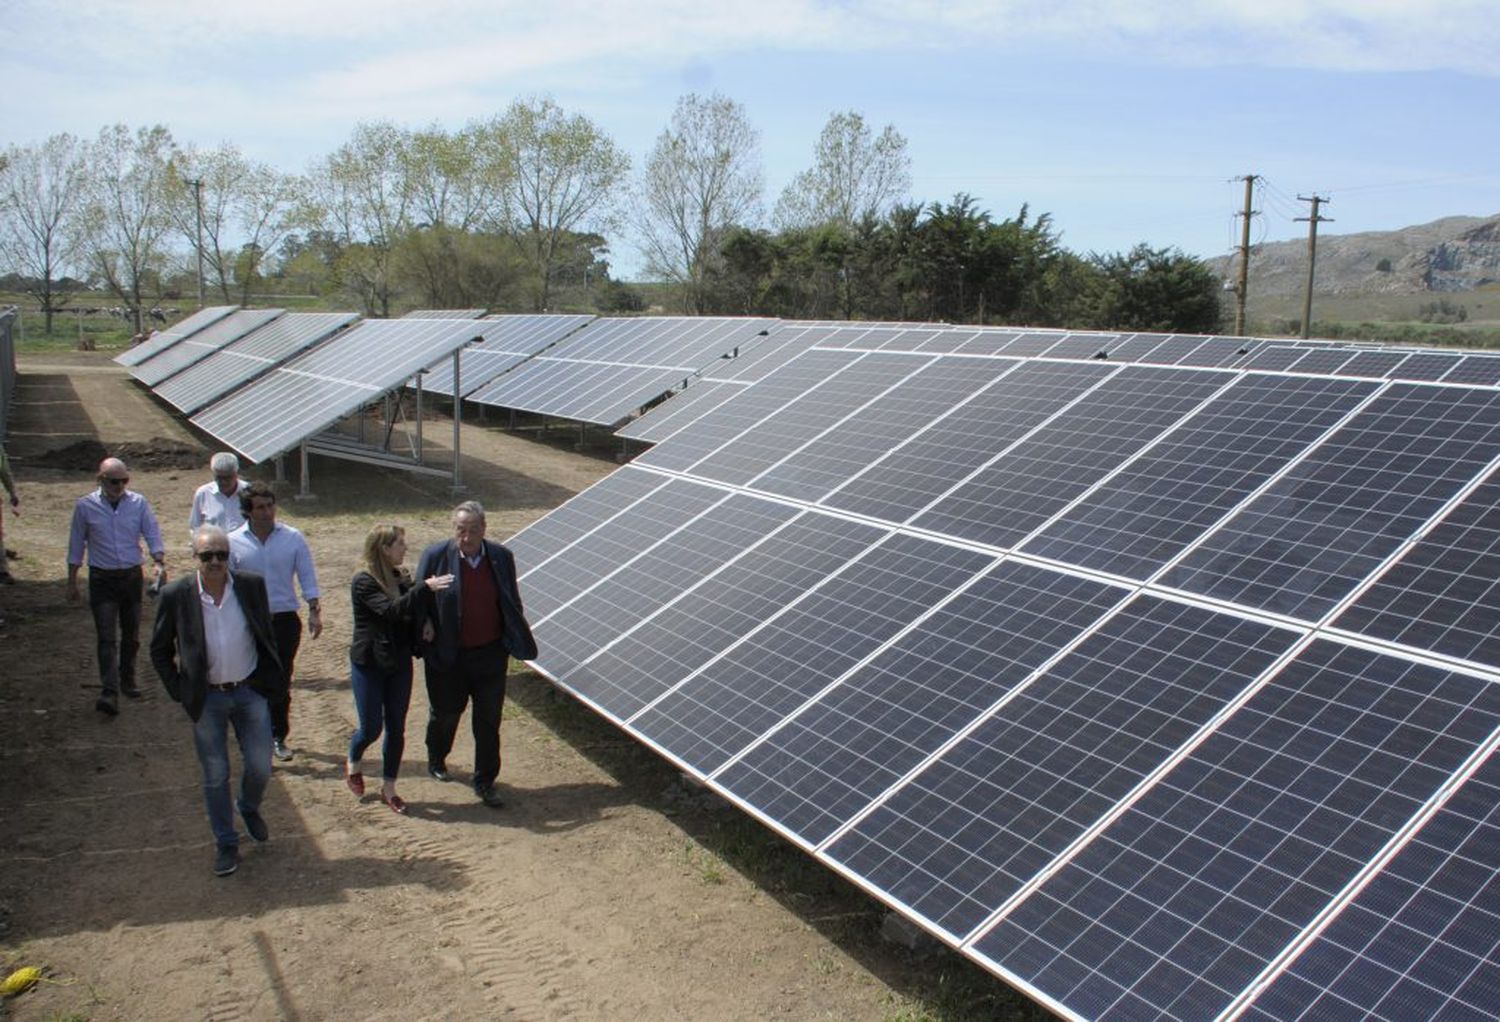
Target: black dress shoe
[131, 691]
[439, 772]
[491, 797]
[226, 860]
[107, 704]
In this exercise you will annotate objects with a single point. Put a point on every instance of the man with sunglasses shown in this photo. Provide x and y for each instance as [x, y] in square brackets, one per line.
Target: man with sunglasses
[216, 654]
[109, 525]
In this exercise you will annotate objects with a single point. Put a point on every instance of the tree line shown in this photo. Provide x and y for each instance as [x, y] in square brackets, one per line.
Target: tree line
[519, 212]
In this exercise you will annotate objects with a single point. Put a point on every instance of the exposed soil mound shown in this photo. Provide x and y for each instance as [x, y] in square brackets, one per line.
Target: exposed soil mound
[156, 453]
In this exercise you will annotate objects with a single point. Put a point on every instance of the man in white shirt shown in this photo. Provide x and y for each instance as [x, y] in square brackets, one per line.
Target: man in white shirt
[218, 502]
[280, 555]
[215, 652]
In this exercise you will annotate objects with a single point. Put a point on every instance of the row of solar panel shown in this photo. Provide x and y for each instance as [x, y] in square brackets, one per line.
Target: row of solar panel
[1118, 677]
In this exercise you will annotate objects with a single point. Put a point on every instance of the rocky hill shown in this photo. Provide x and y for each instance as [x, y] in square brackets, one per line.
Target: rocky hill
[1455, 254]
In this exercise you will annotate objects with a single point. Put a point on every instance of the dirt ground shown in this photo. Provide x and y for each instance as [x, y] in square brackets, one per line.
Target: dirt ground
[606, 888]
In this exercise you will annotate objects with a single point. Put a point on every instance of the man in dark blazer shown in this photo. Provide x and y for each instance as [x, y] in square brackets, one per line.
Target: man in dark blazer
[216, 653]
[477, 624]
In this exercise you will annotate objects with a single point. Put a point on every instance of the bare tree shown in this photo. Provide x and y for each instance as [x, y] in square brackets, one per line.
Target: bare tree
[247, 210]
[854, 174]
[41, 190]
[702, 177]
[564, 174]
[363, 195]
[126, 219]
[458, 180]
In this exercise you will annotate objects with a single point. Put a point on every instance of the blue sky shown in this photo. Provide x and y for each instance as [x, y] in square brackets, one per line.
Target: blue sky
[1127, 121]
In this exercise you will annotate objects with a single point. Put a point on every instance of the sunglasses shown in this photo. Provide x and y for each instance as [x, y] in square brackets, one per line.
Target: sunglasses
[112, 480]
[207, 556]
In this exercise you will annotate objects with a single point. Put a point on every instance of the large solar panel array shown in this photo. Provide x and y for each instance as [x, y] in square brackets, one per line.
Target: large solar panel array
[202, 343]
[518, 338]
[316, 389]
[1162, 683]
[242, 360]
[174, 334]
[607, 370]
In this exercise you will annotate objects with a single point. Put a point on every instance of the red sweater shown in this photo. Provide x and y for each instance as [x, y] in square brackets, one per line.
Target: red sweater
[480, 618]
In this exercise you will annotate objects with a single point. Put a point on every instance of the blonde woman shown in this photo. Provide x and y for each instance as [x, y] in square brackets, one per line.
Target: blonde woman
[388, 611]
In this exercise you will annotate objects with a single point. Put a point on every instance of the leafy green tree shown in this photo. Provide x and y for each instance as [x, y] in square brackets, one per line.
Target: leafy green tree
[362, 194]
[702, 176]
[1159, 290]
[564, 176]
[41, 192]
[240, 200]
[855, 173]
[126, 219]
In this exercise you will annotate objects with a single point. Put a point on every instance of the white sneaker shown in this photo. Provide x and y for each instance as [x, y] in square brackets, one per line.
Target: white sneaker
[280, 751]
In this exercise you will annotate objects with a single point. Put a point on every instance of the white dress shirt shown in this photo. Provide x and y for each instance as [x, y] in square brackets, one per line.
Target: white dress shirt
[284, 556]
[227, 638]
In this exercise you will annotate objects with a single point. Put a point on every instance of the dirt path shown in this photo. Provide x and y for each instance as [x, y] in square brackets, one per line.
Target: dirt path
[605, 889]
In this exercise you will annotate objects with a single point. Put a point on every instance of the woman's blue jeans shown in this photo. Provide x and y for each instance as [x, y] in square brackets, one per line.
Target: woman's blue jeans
[381, 698]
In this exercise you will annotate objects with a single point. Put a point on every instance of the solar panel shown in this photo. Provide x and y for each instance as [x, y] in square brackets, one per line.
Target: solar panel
[240, 361]
[1162, 686]
[509, 342]
[606, 371]
[317, 388]
[445, 314]
[164, 339]
[723, 379]
[202, 343]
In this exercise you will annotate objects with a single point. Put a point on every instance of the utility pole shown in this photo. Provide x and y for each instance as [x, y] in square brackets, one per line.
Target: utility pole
[1242, 284]
[197, 184]
[1313, 219]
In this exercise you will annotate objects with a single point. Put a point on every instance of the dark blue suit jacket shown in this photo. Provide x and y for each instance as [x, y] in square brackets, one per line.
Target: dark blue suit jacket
[447, 605]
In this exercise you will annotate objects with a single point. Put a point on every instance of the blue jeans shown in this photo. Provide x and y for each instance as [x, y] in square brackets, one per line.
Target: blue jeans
[246, 709]
[381, 699]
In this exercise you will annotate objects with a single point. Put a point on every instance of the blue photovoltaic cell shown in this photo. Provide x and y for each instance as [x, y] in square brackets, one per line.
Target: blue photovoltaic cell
[1164, 500]
[1215, 352]
[781, 665]
[1174, 349]
[508, 341]
[1374, 364]
[920, 471]
[1316, 534]
[1480, 370]
[1081, 346]
[850, 446]
[1422, 941]
[941, 342]
[753, 452]
[1275, 356]
[968, 831]
[1323, 360]
[719, 610]
[591, 509]
[745, 410]
[551, 583]
[1444, 593]
[1134, 347]
[1037, 478]
[1035, 342]
[1424, 366]
[643, 584]
[680, 410]
[1176, 907]
[834, 758]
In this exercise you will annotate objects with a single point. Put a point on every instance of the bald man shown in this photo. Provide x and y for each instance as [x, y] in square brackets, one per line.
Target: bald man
[108, 526]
